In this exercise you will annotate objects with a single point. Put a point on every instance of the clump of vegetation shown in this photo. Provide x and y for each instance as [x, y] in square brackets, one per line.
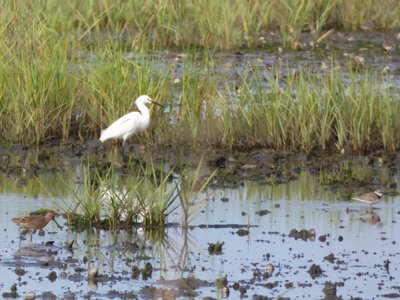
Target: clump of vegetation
[215, 248]
[192, 186]
[346, 173]
[157, 198]
[110, 200]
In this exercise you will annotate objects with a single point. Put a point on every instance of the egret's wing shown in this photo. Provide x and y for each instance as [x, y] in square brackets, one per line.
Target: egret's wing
[129, 116]
[121, 126]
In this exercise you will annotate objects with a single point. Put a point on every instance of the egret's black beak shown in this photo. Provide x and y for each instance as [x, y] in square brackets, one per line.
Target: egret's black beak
[156, 103]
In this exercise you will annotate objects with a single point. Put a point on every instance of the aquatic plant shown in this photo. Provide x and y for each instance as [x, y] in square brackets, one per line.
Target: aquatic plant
[308, 112]
[156, 197]
[107, 199]
[193, 186]
[85, 208]
[103, 199]
[345, 173]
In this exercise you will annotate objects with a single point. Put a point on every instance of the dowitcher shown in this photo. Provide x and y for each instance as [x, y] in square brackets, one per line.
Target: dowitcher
[35, 222]
[369, 198]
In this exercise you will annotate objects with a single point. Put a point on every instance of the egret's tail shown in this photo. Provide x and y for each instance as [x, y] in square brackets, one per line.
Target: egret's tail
[103, 136]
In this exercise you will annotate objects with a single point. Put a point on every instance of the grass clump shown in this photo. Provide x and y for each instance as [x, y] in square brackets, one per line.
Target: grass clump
[346, 173]
[157, 198]
[147, 197]
[106, 199]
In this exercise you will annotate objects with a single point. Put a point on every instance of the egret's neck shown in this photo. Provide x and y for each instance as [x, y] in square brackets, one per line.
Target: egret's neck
[143, 109]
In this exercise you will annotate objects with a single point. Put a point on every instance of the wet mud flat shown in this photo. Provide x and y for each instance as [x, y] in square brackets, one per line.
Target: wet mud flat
[273, 224]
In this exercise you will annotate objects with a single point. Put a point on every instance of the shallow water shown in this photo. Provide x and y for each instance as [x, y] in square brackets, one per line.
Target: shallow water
[340, 52]
[360, 248]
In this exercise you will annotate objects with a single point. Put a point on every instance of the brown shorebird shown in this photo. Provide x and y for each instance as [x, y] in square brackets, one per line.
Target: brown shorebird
[369, 198]
[389, 43]
[35, 222]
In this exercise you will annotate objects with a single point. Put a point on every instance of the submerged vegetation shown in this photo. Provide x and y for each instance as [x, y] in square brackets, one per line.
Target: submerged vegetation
[70, 68]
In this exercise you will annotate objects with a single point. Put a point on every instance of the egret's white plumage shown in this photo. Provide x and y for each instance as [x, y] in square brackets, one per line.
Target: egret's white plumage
[131, 123]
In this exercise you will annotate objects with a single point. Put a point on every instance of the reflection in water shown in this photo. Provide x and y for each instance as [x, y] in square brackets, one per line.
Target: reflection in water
[179, 258]
[33, 251]
[92, 284]
[371, 218]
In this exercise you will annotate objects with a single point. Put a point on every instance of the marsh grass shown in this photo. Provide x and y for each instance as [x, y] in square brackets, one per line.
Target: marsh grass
[301, 111]
[105, 198]
[313, 112]
[346, 173]
[193, 192]
[217, 24]
[86, 208]
[69, 69]
[157, 198]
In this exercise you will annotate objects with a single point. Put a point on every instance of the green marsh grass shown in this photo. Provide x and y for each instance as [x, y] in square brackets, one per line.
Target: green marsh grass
[71, 68]
[301, 111]
[105, 198]
[192, 186]
[217, 24]
[346, 173]
[313, 112]
[157, 197]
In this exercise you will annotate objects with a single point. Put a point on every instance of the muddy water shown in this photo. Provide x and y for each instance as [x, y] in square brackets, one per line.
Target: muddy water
[342, 51]
[364, 255]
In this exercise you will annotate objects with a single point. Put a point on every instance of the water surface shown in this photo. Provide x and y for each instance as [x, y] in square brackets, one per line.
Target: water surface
[360, 248]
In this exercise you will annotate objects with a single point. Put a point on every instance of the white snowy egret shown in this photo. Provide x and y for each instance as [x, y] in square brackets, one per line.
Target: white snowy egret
[131, 123]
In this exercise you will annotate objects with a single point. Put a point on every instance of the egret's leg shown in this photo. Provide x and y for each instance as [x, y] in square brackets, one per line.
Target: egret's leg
[123, 150]
[123, 146]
